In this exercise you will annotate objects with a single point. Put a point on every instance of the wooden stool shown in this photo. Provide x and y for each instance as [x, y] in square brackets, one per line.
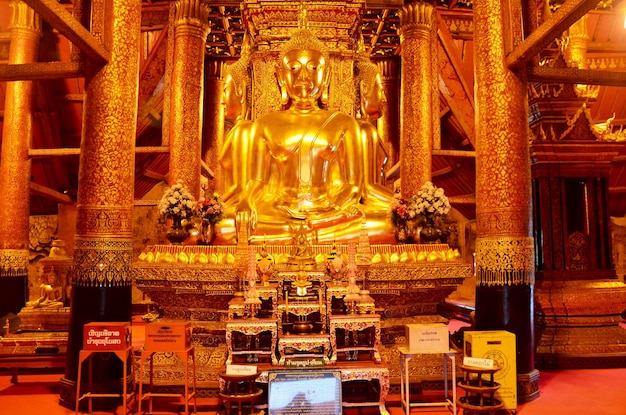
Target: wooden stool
[239, 389]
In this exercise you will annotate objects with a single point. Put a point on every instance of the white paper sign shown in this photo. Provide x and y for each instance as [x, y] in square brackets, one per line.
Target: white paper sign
[240, 370]
[478, 362]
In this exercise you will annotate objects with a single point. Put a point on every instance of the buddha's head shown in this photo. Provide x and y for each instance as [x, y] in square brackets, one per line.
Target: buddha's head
[371, 92]
[235, 84]
[304, 69]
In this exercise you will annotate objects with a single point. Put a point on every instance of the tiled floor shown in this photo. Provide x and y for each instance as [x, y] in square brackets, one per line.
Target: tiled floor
[588, 392]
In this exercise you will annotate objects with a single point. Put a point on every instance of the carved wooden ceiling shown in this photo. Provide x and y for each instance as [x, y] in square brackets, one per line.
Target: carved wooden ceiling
[58, 96]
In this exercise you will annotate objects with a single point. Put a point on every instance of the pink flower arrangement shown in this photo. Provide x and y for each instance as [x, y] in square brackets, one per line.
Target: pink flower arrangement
[210, 208]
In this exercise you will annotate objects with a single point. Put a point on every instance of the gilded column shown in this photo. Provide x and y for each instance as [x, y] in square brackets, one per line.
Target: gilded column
[213, 125]
[504, 245]
[416, 120]
[191, 27]
[103, 247]
[25, 32]
[389, 121]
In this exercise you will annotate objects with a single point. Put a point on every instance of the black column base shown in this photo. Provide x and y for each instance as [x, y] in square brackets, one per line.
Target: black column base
[13, 294]
[94, 304]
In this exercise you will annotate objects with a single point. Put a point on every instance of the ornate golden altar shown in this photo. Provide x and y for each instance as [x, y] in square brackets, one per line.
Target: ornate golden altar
[197, 283]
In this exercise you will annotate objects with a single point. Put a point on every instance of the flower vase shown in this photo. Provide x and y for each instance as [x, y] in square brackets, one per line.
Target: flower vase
[176, 234]
[430, 233]
[208, 232]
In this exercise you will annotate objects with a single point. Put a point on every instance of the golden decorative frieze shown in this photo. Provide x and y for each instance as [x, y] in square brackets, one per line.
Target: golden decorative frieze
[271, 21]
[617, 63]
[109, 221]
[13, 262]
[460, 26]
[505, 261]
[100, 262]
[503, 222]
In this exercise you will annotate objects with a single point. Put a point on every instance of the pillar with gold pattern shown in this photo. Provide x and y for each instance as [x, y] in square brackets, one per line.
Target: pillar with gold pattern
[25, 29]
[504, 245]
[191, 27]
[416, 124]
[389, 121]
[213, 124]
[103, 247]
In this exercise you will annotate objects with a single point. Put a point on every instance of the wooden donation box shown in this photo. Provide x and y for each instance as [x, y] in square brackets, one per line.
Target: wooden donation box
[499, 346]
[427, 338]
[168, 336]
[107, 336]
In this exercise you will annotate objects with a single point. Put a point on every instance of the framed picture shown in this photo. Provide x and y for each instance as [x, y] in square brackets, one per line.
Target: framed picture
[304, 392]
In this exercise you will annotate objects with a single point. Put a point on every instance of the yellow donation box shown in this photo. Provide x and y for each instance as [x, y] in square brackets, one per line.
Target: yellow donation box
[498, 345]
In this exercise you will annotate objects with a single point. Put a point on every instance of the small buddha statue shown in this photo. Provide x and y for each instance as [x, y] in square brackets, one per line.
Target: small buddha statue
[302, 283]
[264, 265]
[301, 256]
[50, 293]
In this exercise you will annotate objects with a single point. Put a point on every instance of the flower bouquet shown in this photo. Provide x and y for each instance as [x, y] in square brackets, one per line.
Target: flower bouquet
[423, 208]
[430, 202]
[402, 212]
[210, 210]
[177, 203]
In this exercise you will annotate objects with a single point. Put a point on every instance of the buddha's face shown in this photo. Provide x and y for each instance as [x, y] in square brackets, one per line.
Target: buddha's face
[304, 73]
[372, 100]
[232, 99]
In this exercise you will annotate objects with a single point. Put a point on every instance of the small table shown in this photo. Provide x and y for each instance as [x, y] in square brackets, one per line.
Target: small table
[127, 396]
[239, 389]
[252, 327]
[306, 343]
[405, 358]
[352, 323]
[186, 396]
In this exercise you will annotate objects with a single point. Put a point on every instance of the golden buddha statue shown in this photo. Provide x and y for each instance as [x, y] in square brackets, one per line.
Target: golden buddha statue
[237, 139]
[50, 294]
[304, 164]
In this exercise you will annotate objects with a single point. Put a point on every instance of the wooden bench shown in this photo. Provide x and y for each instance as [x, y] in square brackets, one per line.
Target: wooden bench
[31, 361]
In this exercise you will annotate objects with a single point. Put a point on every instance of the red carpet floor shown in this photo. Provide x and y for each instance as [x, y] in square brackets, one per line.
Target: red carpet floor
[588, 392]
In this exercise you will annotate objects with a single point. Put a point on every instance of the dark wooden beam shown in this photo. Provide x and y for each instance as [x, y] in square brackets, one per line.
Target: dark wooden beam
[59, 18]
[40, 70]
[563, 18]
[37, 189]
[575, 76]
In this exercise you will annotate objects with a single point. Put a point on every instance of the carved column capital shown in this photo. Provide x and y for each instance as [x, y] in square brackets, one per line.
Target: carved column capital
[191, 18]
[416, 21]
[24, 18]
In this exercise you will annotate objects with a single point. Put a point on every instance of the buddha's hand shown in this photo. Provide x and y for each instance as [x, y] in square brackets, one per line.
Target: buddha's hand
[304, 214]
[246, 215]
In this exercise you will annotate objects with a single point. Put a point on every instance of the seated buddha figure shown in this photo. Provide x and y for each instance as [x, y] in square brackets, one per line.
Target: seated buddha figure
[305, 163]
[237, 139]
[50, 295]
[371, 99]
